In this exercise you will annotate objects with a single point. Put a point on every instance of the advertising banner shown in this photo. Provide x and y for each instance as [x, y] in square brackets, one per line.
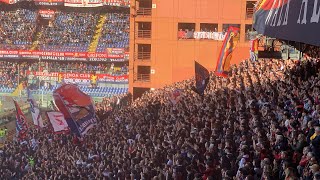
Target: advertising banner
[83, 3]
[78, 78]
[76, 3]
[62, 56]
[46, 14]
[48, 2]
[117, 2]
[9, 1]
[77, 108]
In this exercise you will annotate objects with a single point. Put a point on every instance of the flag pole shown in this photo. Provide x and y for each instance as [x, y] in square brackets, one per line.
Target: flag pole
[19, 78]
[39, 69]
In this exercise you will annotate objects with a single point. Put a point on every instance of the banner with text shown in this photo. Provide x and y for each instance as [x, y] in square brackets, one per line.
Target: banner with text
[46, 14]
[49, 2]
[78, 78]
[83, 3]
[218, 36]
[77, 108]
[289, 20]
[63, 56]
[117, 2]
[76, 3]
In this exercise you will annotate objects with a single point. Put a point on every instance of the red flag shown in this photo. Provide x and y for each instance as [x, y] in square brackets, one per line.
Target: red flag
[21, 122]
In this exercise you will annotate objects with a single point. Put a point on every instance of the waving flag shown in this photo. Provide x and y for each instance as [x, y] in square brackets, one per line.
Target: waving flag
[291, 20]
[21, 122]
[77, 108]
[57, 121]
[202, 78]
[35, 111]
[175, 96]
[230, 42]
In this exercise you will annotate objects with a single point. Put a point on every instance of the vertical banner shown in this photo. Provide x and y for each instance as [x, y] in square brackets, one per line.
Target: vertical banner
[202, 78]
[21, 122]
[35, 111]
[230, 42]
[57, 121]
[77, 108]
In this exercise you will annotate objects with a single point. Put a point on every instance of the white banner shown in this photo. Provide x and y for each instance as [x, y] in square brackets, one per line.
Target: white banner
[219, 36]
[36, 117]
[58, 121]
[83, 3]
[35, 111]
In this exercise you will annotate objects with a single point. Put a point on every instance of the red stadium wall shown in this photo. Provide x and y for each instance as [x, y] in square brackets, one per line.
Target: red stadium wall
[172, 59]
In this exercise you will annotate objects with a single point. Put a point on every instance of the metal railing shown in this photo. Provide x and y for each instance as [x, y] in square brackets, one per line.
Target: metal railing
[142, 77]
[143, 56]
[143, 34]
[144, 12]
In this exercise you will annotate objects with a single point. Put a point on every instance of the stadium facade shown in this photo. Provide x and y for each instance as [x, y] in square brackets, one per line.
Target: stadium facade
[167, 36]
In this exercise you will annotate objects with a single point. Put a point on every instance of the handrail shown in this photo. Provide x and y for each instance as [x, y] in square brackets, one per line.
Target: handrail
[249, 13]
[143, 56]
[142, 77]
[143, 34]
[144, 12]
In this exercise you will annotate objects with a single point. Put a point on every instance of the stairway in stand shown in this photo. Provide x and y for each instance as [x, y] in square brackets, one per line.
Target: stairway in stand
[95, 40]
[36, 39]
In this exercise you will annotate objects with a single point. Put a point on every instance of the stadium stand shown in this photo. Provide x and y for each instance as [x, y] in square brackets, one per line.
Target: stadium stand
[67, 32]
[17, 29]
[115, 33]
[70, 32]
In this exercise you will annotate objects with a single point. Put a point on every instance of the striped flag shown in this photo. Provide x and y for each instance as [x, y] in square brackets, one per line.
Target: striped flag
[230, 42]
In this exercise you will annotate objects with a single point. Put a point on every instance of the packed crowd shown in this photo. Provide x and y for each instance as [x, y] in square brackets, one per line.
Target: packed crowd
[311, 51]
[100, 68]
[9, 70]
[9, 74]
[260, 123]
[71, 30]
[17, 29]
[67, 32]
[115, 33]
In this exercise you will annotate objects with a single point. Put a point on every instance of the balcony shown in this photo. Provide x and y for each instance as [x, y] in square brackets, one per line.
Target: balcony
[146, 56]
[144, 34]
[144, 12]
[141, 77]
[249, 13]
